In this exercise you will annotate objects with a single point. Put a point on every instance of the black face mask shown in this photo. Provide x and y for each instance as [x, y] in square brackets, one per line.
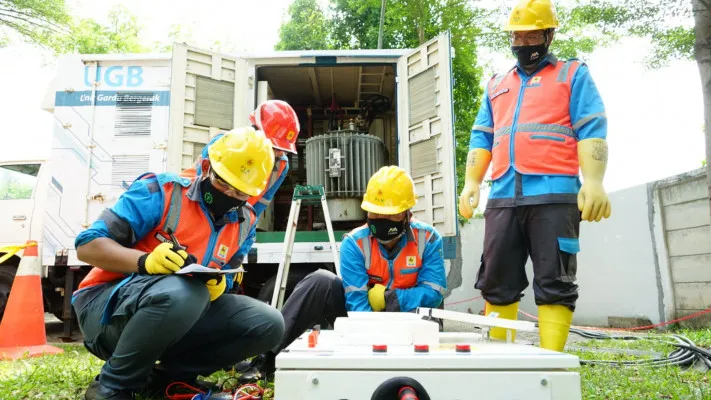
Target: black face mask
[217, 202]
[530, 55]
[386, 230]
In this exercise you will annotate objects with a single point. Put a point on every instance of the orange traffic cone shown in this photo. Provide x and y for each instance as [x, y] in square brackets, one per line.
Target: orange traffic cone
[22, 328]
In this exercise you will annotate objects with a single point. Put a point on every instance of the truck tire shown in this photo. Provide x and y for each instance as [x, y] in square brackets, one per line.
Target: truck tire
[295, 276]
[7, 276]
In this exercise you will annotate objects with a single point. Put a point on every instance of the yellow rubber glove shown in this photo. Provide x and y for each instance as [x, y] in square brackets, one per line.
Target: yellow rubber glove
[216, 288]
[162, 260]
[477, 164]
[592, 199]
[237, 279]
[376, 297]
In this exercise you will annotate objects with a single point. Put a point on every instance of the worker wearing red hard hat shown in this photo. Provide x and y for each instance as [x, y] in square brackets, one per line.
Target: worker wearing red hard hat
[279, 122]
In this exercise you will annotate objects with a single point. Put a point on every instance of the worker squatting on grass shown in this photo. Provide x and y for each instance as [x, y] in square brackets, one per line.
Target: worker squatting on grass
[392, 240]
[133, 311]
[539, 123]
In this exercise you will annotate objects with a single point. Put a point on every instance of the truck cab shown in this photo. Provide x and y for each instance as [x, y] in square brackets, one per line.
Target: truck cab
[22, 191]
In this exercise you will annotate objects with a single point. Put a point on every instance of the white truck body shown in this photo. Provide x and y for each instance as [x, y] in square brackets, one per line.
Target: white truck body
[117, 116]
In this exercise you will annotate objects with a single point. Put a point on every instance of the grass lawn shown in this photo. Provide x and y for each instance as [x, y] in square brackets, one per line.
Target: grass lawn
[66, 376]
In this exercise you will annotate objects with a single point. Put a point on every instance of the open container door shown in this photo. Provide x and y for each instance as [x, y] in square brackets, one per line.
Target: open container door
[209, 94]
[426, 134]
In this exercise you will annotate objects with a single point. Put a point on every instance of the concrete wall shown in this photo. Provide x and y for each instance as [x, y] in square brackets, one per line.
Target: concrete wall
[623, 267]
[686, 223]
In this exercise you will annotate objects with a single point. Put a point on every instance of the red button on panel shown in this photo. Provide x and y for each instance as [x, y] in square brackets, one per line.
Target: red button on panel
[422, 348]
[463, 348]
[380, 348]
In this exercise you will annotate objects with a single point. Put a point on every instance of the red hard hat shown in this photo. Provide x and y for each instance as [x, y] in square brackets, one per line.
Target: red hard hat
[279, 122]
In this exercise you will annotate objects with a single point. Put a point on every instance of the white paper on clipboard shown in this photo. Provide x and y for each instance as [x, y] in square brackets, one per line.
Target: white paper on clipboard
[199, 269]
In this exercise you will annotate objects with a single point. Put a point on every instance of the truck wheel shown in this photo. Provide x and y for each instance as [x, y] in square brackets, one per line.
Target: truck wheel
[7, 276]
[295, 276]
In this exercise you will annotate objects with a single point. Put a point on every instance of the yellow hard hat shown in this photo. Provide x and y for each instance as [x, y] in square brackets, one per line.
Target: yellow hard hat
[390, 191]
[244, 158]
[531, 15]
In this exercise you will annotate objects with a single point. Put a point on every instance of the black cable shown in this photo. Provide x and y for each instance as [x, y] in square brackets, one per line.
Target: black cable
[686, 354]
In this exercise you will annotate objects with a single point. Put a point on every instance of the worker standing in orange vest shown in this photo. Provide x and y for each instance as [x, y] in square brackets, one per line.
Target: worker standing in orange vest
[538, 124]
[392, 263]
[133, 310]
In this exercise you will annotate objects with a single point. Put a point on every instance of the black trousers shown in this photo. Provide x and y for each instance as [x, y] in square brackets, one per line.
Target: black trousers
[548, 233]
[318, 298]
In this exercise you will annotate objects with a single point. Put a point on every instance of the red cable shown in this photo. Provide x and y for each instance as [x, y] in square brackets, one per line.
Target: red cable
[186, 396]
[247, 395]
[463, 301]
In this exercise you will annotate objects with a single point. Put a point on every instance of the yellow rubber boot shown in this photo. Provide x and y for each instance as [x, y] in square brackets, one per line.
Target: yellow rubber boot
[509, 312]
[553, 326]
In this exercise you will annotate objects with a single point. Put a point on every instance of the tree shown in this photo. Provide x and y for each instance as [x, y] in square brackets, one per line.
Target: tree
[702, 27]
[305, 29]
[37, 21]
[121, 35]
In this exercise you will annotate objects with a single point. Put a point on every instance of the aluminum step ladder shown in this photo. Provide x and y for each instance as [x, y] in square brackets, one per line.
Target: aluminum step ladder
[306, 195]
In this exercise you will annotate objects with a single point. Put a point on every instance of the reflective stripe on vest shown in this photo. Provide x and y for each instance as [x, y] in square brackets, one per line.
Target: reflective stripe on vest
[400, 273]
[544, 141]
[365, 246]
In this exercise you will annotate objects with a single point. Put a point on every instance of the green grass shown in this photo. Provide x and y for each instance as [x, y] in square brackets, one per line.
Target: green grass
[65, 376]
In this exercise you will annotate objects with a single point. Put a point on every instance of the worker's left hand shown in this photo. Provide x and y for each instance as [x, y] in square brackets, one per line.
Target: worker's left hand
[376, 297]
[216, 287]
[593, 201]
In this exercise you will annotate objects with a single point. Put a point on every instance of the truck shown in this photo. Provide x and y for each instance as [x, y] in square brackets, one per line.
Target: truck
[117, 116]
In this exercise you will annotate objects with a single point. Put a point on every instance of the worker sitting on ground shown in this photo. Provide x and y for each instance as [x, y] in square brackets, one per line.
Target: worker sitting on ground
[133, 310]
[392, 263]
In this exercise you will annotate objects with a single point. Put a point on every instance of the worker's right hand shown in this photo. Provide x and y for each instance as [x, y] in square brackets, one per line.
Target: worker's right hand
[162, 260]
[468, 200]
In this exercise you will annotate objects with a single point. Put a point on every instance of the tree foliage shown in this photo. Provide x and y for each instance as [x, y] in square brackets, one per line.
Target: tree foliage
[305, 29]
[120, 35]
[38, 21]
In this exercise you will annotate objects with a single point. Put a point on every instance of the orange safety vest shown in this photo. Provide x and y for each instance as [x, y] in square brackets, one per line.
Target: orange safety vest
[406, 266]
[544, 142]
[193, 229]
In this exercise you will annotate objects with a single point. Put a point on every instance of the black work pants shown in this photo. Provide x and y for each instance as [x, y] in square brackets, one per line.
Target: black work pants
[316, 299]
[548, 233]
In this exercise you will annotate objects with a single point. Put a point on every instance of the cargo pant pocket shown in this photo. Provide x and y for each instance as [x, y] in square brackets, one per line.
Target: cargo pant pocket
[568, 249]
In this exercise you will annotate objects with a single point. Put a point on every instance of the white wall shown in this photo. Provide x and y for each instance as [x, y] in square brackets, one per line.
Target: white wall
[622, 267]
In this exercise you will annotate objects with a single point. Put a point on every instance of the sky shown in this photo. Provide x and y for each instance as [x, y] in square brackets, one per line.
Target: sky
[655, 117]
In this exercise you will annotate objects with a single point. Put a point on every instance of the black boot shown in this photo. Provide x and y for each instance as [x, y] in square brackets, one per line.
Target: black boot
[97, 391]
[261, 367]
[241, 366]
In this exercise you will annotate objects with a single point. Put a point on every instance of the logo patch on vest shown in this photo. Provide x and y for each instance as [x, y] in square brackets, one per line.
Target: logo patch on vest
[535, 81]
[375, 278]
[222, 251]
[411, 261]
